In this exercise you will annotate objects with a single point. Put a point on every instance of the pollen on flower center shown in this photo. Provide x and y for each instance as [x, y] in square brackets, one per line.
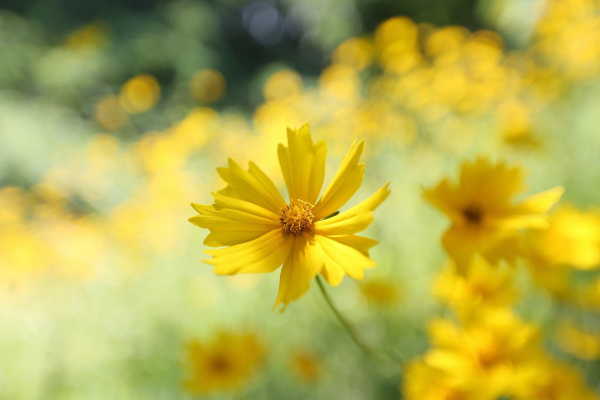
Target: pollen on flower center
[296, 217]
[473, 214]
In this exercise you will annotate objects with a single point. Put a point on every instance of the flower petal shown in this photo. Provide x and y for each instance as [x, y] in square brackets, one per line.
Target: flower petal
[264, 254]
[303, 264]
[447, 199]
[345, 255]
[230, 226]
[462, 244]
[530, 213]
[355, 219]
[303, 164]
[252, 186]
[489, 183]
[344, 184]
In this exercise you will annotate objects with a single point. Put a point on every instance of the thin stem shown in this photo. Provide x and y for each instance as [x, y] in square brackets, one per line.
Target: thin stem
[343, 321]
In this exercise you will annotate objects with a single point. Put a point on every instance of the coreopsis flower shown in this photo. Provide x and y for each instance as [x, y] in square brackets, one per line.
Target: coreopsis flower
[493, 351]
[485, 218]
[226, 364]
[261, 231]
[481, 287]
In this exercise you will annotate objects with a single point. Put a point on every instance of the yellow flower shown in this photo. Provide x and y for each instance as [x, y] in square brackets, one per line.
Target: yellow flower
[422, 382]
[226, 364]
[263, 231]
[551, 380]
[573, 239]
[484, 217]
[483, 286]
[572, 242]
[494, 350]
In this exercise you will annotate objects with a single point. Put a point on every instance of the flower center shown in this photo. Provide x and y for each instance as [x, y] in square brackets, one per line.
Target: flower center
[473, 214]
[220, 364]
[296, 217]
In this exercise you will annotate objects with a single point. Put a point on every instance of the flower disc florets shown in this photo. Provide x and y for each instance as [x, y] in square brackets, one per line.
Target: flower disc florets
[296, 217]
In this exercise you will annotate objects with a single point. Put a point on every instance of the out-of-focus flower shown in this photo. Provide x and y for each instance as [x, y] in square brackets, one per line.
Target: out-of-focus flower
[263, 231]
[484, 217]
[422, 382]
[208, 85]
[283, 85]
[224, 365]
[88, 38]
[575, 341]
[306, 367]
[355, 52]
[572, 242]
[573, 239]
[109, 113]
[483, 286]
[564, 37]
[551, 380]
[492, 352]
[381, 292]
[139, 94]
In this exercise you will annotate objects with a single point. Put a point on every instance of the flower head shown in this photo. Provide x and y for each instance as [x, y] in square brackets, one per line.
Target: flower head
[226, 364]
[261, 231]
[485, 219]
[481, 288]
[492, 351]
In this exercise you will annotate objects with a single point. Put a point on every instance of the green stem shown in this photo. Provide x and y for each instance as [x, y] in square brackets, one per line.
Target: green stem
[343, 321]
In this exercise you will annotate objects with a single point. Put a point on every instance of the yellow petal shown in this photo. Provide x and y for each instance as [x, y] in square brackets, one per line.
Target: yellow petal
[303, 264]
[252, 186]
[303, 164]
[229, 226]
[530, 213]
[345, 255]
[540, 203]
[355, 219]
[447, 199]
[490, 183]
[462, 244]
[262, 255]
[222, 201]
[344, 184]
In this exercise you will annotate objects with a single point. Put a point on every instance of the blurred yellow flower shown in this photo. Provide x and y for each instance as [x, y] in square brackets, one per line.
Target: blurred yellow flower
[263, 231]
[572, 239]
[283, 85]
[306, 367]
[139, 94]
[491, 352]
[484, 218]
[226, 364]
[381, 292]
[88, 38]
[207, 85]
[482, 286]
[422, 382]
[109, 113]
